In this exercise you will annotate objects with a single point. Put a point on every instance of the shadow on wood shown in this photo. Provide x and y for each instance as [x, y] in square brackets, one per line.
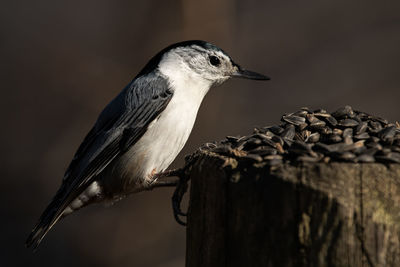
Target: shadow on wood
[336, 214]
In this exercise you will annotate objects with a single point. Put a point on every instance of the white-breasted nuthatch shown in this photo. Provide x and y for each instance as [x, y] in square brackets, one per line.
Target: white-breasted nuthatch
[141, 131]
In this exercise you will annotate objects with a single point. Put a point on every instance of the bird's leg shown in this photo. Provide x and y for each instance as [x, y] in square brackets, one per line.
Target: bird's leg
[181, 185]
[168, 183]
[169, 173]
[156, 177]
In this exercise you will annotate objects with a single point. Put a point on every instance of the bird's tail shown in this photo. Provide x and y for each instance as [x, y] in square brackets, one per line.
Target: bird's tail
[63, 203]
[49, 217]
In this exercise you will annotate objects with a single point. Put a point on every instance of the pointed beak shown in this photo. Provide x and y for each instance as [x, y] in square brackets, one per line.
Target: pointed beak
[247, 74]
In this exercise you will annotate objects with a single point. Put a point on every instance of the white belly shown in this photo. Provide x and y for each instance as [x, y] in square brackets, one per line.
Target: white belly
[166, 136]
[153, 153]
[161, 143]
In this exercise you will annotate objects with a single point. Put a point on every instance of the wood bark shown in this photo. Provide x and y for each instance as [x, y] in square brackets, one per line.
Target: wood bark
[336, 214]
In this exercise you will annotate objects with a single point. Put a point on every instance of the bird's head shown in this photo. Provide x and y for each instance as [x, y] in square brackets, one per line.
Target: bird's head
[201, 60]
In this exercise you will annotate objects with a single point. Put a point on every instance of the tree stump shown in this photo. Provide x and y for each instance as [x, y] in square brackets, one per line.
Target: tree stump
[310, 214]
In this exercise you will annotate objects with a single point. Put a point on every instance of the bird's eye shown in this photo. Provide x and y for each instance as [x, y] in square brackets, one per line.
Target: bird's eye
[215, 61]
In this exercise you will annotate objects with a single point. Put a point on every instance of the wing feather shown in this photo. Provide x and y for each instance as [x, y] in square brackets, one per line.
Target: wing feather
[118, 127]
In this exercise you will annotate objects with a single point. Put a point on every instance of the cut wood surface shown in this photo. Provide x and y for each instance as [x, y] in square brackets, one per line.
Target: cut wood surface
[319, 214]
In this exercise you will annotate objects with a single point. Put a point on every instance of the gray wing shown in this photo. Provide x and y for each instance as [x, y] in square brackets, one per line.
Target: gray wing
[118, 127]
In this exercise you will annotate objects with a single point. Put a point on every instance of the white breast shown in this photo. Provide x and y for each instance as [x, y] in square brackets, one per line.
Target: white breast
[167, 135]
[163, 140]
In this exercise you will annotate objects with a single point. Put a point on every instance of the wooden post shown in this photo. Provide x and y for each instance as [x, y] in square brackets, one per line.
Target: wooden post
[336, 214]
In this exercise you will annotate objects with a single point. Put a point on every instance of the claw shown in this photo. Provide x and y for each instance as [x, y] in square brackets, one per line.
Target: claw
[180, 191]
[176, 205]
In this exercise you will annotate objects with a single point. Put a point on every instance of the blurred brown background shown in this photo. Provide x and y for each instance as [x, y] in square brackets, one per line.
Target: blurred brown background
[62, 61]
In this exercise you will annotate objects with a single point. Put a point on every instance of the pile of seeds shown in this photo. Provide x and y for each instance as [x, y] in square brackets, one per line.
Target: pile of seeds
[345, 135]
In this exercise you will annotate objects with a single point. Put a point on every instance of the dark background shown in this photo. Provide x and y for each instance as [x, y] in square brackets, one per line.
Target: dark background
[62, 61]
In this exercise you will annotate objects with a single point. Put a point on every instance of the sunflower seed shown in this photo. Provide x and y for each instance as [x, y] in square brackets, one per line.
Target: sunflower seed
[345, 112]
[223, 150]
[311, 118]
[322, 114]
[232, 139]
[374, 139]
[385, 151]
[365, 158]
[331, 120]
[387, 133]
[300, 148]
[270, 157]
[252, 158]
[276, 129]
[307, 159]
[296, 120]
[362, 136]
[273, 159]
[374, 145]
[334, 138]
[348, 133]
[320, 110]
[395, 149]
[300, 136]
[371, 151]
[289, 132]
[375, 126]
[278, 139]
[252, 143]
[279, 148]
[209, 146]
[362, 127]
[304, 136]
[348, 123]
[326, 130]
[348, 140]
[390, 157]
[381, 120]
[301, 113]
[323, 148]
[302, 126]
[346, 156]
[313, 138]
[315, 123]
[262, 151]
[397, 143]
[269, 142]
[359, 150]
[337, 131]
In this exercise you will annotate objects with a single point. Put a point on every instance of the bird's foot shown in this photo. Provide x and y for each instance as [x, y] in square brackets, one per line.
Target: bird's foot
[177, 197]
[181, 185]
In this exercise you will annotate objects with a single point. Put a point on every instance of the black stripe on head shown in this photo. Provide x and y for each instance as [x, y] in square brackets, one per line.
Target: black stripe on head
[153, 63]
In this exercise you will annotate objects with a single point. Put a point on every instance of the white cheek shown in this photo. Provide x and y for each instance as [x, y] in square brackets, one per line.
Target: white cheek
[182, 78]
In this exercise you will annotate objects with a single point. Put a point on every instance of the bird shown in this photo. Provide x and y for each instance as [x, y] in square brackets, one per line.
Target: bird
[141, 131]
